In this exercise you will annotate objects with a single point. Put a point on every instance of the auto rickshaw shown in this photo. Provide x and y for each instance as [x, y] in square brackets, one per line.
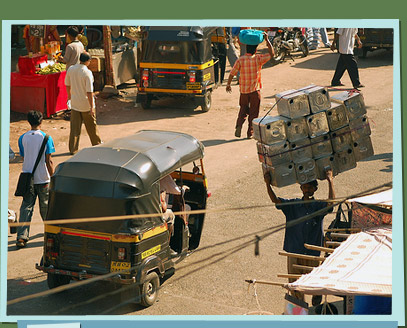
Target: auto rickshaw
[177, 61]
[117, 179]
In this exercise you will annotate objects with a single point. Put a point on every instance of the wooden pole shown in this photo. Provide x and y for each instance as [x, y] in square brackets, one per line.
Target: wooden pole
[289, 276]
[333, 243]
[319, 248]
[340, 235]
[345, 229]
[302, 256]
[107, 45]
[266, 282]
[303, 267]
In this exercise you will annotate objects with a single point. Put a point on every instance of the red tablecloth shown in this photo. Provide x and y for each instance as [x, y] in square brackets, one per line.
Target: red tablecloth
[26, 65]
[54, 85]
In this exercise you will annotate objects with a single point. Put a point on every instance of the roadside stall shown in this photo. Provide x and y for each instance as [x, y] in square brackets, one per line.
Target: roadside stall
[123, 53]
[39, 82]
[359, 269]
[353, 273]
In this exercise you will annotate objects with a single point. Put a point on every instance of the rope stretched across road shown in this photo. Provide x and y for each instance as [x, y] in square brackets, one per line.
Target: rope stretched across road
[258, 236]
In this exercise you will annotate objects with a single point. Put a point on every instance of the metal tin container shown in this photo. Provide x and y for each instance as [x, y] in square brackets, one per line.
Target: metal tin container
[321, 146]
[354, 103]
[317, 124]
[292, 104]
[261, 152]
[325, 163]
[270, 129]
[297, 129]
[341, 139]
[274, 154]
[306, 171]
[337, 117]
[281, 175]
[362, 148]
[318, 98]
[301, 150]
[345, 159]
[360, 127]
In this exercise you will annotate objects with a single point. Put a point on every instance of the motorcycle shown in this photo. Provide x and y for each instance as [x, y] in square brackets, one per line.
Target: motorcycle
[287, 40]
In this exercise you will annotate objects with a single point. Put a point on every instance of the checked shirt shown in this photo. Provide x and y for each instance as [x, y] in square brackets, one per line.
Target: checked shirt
[249, 67]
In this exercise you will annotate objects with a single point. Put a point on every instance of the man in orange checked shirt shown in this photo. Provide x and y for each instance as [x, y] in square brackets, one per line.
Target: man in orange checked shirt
[249, 66]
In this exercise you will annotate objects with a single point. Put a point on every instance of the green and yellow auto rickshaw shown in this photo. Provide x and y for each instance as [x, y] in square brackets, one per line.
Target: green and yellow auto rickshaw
[177, 61]
[121, 179]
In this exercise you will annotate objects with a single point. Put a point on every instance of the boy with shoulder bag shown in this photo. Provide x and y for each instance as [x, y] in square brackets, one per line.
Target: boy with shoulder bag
[36, 148]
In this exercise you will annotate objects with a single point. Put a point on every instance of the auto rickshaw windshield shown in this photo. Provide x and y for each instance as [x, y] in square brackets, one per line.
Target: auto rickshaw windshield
[191, 52]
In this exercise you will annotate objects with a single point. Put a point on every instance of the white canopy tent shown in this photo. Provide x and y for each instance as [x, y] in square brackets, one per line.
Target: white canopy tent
[361, 265]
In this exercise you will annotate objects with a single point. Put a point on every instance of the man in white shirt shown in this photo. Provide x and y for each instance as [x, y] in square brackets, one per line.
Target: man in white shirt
[29, 145]
[346, 61]
[74, 49]
[79, 86]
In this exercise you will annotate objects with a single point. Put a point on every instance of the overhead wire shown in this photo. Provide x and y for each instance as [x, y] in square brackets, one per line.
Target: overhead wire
[224, 254]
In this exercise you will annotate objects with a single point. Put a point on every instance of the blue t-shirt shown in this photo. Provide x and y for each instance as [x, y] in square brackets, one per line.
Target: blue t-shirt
[29, 145]
[306, 232]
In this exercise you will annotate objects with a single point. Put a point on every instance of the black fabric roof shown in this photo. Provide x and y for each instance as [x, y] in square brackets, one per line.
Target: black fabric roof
[178, 33]
[126, 167]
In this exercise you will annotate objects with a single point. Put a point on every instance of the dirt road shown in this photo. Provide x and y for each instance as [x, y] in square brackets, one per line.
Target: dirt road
[211, 280]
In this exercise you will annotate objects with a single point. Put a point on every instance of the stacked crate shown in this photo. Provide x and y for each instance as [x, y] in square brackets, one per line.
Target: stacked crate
[312, 133]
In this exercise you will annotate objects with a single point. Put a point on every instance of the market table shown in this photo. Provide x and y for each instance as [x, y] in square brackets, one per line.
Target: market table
[28, 64]
[45, 93]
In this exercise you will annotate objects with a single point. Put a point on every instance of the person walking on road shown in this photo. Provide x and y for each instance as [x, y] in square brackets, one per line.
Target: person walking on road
[249, 66]
[309, 231]
[74, 49]
[232, 52]
[346, 61]
[79, 86]
[29, 146]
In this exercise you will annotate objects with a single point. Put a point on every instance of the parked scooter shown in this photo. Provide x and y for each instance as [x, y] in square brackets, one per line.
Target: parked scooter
[287, 40]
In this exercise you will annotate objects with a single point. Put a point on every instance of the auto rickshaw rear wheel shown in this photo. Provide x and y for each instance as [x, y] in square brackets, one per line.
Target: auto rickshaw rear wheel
[146, 103]
[149, 289]
[56, 280]
[206, 101]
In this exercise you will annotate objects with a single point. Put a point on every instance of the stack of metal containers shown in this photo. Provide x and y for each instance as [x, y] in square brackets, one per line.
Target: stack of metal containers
[313, 132]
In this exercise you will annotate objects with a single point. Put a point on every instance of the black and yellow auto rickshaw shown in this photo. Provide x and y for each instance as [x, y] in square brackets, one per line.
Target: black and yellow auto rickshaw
[121, 178]
[177, 61]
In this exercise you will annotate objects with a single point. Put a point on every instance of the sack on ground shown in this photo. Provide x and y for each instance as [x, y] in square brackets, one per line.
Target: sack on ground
[25, 181]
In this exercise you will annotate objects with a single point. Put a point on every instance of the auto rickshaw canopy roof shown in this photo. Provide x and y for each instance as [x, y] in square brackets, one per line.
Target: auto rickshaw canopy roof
[178, 33]
[126, 167]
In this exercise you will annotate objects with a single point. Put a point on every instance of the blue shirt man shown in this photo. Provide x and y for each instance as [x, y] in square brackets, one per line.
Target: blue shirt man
[308, 231]
[29, 145]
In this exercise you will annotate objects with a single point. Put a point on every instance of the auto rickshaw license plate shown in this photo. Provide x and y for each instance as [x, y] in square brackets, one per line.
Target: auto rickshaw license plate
[193, 86]
[120, 266]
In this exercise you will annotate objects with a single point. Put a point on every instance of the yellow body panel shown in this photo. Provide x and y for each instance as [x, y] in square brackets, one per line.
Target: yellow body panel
[111, 237]
[169, 90]
[177, 66]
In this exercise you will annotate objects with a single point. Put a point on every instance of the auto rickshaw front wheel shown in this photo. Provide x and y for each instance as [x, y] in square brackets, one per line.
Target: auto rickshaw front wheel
[56, 280]
[206, 101]
[149, 289]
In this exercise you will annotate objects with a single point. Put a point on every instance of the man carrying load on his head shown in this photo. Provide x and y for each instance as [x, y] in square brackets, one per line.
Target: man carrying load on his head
[249, 66]
[305, 232]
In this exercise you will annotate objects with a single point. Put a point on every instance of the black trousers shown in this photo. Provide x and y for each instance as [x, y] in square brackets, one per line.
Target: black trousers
[346, 62]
